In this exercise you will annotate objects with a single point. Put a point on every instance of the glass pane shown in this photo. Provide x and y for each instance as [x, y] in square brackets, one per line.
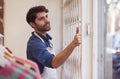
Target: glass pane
[112, 56]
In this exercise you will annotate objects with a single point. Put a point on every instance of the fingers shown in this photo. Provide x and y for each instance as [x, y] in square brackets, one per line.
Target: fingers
[77, 30]
[77, 39]
[78, 35]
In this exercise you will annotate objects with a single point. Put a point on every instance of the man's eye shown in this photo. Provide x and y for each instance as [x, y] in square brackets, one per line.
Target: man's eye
[46, 16]
[41, 18]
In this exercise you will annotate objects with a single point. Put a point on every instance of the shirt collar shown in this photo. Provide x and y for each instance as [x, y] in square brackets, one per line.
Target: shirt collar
[47, 37]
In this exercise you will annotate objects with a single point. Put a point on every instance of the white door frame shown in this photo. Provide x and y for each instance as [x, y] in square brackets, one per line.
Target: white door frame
[98, 38]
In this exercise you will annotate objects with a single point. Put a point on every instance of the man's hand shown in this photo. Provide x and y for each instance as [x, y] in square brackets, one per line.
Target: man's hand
[61, 57]
[77, 38]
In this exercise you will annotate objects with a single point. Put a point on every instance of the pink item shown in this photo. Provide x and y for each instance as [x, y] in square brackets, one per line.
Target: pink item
[32, 64]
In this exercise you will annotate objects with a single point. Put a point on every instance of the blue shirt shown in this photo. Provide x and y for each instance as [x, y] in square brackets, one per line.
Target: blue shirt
[37, 51]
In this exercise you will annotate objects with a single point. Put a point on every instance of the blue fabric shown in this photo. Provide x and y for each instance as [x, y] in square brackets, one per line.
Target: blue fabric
[37, 52]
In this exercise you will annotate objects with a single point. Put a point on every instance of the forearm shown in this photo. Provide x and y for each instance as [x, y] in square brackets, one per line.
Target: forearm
[63, 55]
[60, 58]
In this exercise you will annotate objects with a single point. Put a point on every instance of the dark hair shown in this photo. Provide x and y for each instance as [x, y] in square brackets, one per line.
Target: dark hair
[31, 14]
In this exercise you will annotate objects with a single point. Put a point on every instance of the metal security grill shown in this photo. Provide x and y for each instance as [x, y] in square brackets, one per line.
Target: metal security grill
[71, 19]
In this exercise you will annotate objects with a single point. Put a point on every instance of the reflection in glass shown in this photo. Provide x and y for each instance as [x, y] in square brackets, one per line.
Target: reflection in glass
[112, 56]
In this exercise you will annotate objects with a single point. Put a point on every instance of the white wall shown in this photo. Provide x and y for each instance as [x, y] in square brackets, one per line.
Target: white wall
[16, 29]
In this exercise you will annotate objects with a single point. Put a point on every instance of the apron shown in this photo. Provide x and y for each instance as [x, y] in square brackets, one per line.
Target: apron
[48, 73]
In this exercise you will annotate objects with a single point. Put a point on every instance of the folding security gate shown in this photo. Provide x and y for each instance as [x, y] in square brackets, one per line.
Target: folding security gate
[78, 13]
[71, 20]
[87, 60]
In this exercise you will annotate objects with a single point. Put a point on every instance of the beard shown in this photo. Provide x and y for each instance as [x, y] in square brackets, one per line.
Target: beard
[44, 28]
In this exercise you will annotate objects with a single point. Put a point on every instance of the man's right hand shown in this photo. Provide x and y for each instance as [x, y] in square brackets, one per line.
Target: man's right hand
[77, 38]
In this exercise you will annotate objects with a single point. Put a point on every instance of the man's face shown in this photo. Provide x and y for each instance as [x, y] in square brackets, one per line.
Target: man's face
[42, 24]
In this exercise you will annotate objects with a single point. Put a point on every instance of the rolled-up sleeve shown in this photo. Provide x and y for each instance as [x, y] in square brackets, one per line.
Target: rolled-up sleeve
[41, 54]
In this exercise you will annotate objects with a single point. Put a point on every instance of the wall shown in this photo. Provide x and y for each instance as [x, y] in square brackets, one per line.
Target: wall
[17, 31]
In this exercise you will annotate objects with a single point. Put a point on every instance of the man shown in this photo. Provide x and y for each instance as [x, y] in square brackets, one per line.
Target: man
[39, 47]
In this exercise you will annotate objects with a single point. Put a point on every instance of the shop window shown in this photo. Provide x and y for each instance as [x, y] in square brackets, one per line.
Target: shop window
[112, 56]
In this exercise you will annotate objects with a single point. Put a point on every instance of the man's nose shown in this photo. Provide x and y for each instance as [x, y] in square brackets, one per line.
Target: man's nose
[46, 19]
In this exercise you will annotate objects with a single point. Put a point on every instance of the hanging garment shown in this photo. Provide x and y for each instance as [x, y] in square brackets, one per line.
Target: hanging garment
[27, 63]
[48, 73]
[32, 64]
[3, 60]
[15, 71]
[15, 67]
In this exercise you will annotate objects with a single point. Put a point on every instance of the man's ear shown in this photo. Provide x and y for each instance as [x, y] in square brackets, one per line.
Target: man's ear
[32, 24]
